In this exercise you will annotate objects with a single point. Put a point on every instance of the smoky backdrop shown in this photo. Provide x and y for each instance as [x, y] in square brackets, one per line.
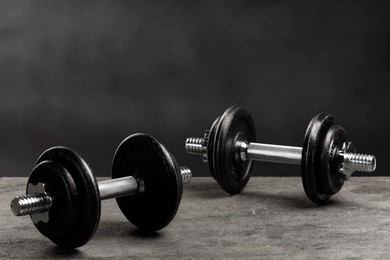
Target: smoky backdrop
[86, 74]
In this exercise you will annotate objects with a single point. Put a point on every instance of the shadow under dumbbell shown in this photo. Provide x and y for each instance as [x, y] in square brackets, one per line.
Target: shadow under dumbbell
[36, 247]
[60, 252]
[206, 190]
[288, 201]
[144, 234]
[118, 229]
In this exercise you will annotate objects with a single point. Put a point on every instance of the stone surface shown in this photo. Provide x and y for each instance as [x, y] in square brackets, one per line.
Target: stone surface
[271, 218]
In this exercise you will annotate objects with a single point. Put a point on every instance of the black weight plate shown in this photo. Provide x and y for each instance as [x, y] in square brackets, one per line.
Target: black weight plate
[331, 179]
[145, 158]
[60, 186]
[88, 210]
[232, 173]
[311, 157]
[210, 147]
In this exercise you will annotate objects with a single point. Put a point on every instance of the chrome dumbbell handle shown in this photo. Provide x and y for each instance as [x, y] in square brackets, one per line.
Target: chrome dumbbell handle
[271, 153]
[120, 187]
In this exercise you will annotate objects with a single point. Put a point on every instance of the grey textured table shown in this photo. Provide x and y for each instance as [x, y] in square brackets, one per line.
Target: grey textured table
[271, 218]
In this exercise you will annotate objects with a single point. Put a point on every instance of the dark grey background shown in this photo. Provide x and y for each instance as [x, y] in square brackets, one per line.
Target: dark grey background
[87, 74]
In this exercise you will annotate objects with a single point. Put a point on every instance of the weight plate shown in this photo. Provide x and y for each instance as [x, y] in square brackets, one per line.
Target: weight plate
[235, 125]
[60, 186]
[145, 158]
[312, 151]
[87, 211]
[331, 180]
[210, 147]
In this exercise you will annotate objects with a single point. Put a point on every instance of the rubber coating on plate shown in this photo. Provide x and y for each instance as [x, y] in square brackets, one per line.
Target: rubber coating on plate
[86, 212]
[210, 147]
[331, 180]
[317, 172]
[63, 213]
[145, 158]
[235, 125]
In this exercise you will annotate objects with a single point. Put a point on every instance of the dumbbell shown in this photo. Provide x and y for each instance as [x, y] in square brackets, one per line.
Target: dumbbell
[64, 199]
[327, 158]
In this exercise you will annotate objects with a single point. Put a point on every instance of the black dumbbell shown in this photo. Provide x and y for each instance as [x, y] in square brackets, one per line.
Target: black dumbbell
[64, 199]
[326, 158]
